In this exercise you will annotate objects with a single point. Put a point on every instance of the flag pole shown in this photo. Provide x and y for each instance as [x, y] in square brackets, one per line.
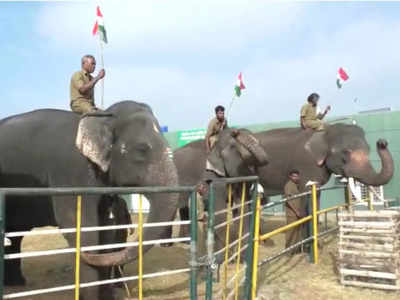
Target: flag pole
[230, 106]
[101, 67]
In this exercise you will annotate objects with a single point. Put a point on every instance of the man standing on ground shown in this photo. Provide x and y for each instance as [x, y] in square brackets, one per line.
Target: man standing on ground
[82, 86]
[309, 118]
[295, 210]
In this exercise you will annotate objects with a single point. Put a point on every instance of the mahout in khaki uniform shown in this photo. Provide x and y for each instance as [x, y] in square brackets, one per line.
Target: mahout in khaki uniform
[82, 86]
[309, 118]
[295, 210]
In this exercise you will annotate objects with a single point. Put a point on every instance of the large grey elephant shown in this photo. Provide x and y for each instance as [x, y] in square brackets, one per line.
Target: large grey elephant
[236, 153]
[124, 147]
[340, 149]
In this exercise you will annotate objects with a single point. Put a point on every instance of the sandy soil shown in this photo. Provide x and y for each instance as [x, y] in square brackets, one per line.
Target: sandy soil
[286, 278]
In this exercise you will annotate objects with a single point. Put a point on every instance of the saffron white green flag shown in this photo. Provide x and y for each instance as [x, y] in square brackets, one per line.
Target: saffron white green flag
[98, 27]
[239, 85]
[341, 77]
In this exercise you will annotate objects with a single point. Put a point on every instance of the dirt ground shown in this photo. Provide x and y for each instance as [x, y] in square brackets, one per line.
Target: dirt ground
[284, 279]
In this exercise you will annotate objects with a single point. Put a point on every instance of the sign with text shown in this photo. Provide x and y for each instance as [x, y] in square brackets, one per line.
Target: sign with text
[187, 136]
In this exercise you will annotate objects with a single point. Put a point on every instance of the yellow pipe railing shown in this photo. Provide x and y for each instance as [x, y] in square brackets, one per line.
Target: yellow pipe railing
[315, 222]
[140, 233]
[78, 245]
[330, 209]
[228, 218]
[313, 217]
[240, 242]
[284, 228]
[255, 250]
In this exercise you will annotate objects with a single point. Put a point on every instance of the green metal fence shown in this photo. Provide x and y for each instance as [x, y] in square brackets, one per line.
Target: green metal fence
[96, 191]
[211, 265]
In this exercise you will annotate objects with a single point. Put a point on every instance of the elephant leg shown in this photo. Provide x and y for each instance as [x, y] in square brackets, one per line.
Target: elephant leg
[103, 292]
[168, 234]
[220, 233]
[184, 214]
[65, 211]
[12, 267]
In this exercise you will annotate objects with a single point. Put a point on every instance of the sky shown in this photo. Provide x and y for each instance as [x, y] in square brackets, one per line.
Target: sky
[183, 57]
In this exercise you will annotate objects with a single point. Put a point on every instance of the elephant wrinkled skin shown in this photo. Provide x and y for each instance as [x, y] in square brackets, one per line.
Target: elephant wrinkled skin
[38, 150]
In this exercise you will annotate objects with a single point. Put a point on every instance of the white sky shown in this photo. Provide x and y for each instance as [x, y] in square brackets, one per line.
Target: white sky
[183, 57]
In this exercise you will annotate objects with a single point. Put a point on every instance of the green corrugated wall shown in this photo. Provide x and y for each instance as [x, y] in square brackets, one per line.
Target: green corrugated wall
[376, 125]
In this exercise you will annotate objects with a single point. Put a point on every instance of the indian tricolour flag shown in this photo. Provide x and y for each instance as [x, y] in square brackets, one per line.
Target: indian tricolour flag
[239, 85]
[341, 77]
[98, 27]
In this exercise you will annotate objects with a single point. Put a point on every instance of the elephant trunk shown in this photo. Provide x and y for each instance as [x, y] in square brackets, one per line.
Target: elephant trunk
[162, 209]
[253, 146]
[366, 174]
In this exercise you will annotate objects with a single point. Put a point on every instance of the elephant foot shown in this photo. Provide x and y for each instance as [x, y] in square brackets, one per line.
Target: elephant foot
[14, 279]
[117, 285]
[109, 292]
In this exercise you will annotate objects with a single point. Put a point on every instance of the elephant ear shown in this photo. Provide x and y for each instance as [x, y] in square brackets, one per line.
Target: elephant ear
[317, 147]
[215, 162]
[94, 139]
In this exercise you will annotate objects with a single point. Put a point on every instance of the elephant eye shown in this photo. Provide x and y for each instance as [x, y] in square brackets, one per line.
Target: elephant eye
[143, 147]
[346, 155]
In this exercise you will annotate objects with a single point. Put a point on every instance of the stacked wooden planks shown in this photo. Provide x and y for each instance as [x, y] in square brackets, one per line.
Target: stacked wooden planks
[369, 249]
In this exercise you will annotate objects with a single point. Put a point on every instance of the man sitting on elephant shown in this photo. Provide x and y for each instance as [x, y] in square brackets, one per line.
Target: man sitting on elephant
[215, 126]
[82, 86]
[309, 116]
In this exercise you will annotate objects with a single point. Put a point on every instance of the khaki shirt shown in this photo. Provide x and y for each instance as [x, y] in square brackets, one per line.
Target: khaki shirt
[78, 79]
[290, 190]
[309, 112]
[214, 127]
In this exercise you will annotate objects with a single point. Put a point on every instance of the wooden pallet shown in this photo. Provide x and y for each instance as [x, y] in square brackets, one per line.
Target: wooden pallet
[369, 249]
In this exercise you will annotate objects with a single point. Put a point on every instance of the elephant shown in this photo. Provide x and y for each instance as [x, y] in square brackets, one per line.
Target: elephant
[236, 153]
[341, 149]
[121, 147]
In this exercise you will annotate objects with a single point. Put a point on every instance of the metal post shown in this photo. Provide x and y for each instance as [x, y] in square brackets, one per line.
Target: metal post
[349, 197]
[256, 245]
[140, 240]
[251, 242]
[315, 223]
[210, 242]
[228, 219]
[2, 236]
[239, 247]
[193, 246]
[309, 228]
[78, 245]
